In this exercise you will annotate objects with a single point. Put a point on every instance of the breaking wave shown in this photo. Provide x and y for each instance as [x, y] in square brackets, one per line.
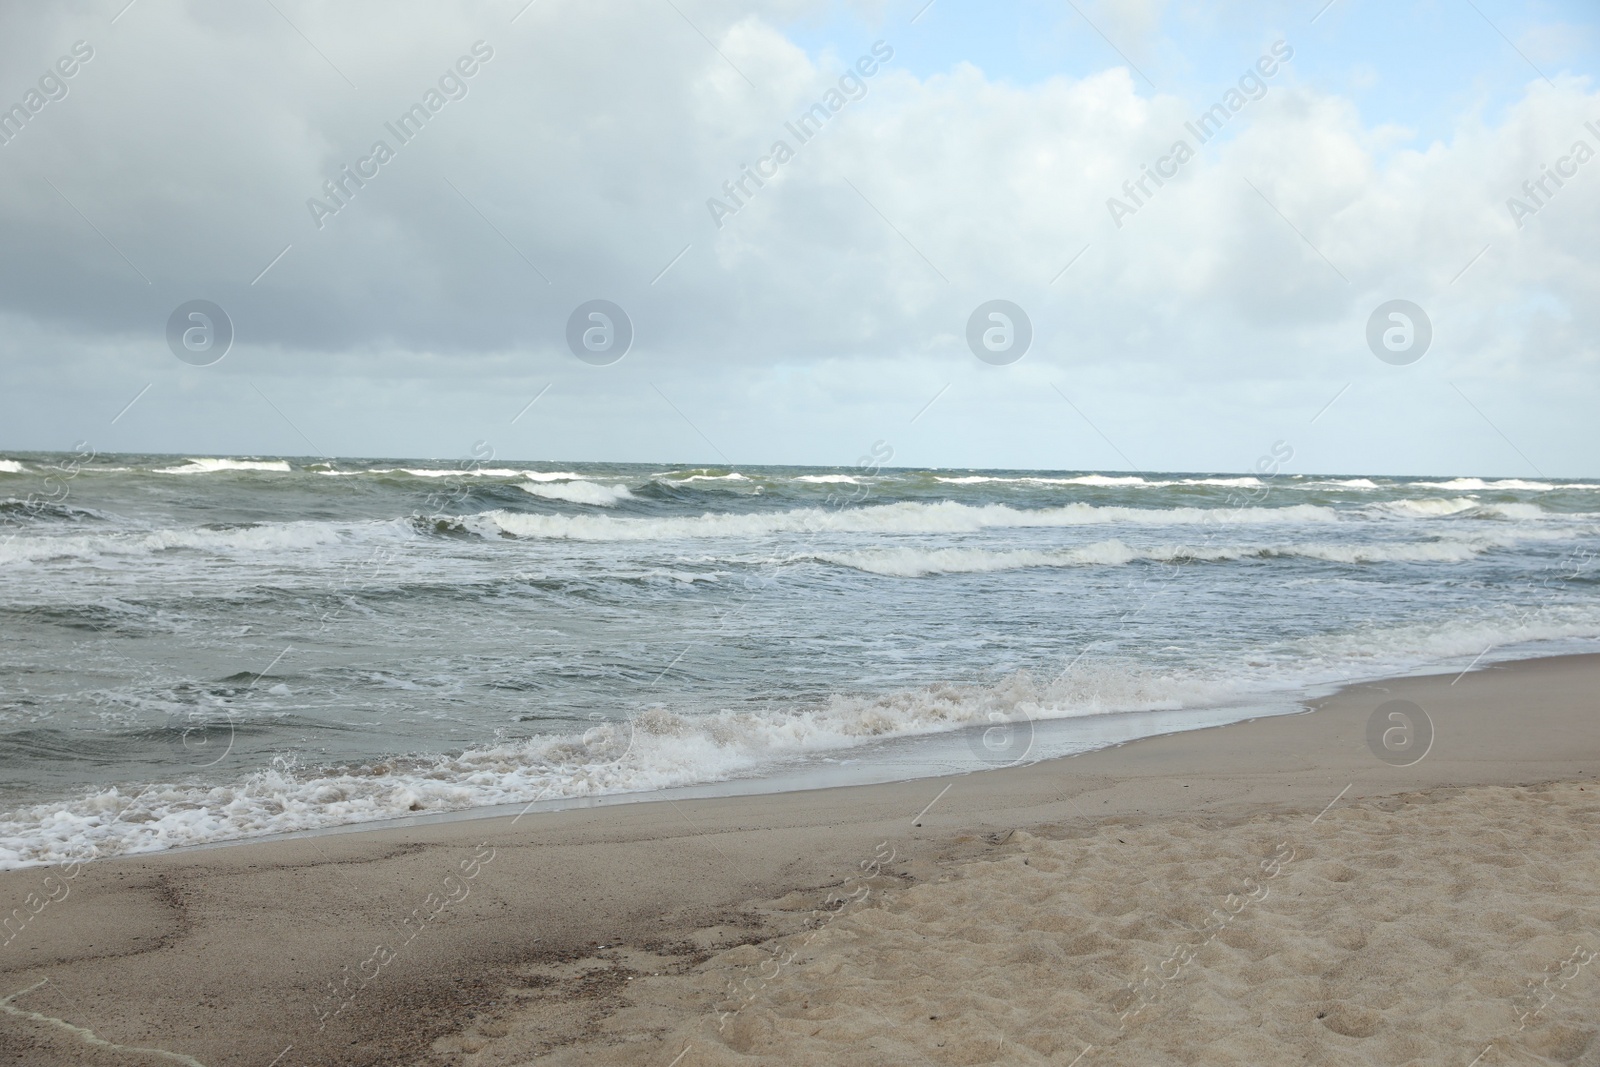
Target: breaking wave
[917, 562]
[580, 492]
[215, 466]
[945, 517]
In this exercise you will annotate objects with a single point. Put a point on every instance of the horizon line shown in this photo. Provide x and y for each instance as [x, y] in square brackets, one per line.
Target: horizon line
[311, 461]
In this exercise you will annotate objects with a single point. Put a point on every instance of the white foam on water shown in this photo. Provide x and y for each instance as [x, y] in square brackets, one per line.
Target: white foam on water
[657, 748]
[469, 472]
[456, 472]
[1479, 483]
[1106, 480]
[675, 479]
[1466, 507]
[1084, 479]
[215, 466]
[1102, 479]
[899, 518]
[1304, 482]
[1517, 483]
[10, 466]
[1439, 530]
[827, 479]
[1421, 552]
[580, 492]
[1425, 508]
[1384, 651]
[266, 539]
[1515, 511]
[919, 562]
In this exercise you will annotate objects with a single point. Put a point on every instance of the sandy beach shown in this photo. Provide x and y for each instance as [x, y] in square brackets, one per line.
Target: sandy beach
[1269, 891]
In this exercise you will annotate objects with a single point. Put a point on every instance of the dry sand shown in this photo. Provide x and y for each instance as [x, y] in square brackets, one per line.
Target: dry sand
[1424, 928]
[1264, 892]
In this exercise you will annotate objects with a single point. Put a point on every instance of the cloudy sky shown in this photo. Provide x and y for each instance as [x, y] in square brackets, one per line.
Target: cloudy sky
[585, 156]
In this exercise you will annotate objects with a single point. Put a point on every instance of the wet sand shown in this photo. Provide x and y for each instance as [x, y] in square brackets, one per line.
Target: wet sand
[1136, 902]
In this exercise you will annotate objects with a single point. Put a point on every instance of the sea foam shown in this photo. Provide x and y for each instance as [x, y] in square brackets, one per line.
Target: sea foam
[217, 466]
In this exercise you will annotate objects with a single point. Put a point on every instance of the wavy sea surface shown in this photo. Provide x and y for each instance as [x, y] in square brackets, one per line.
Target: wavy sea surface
[202, 649]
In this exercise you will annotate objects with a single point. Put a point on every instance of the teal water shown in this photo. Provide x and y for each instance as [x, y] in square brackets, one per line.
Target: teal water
[200, 649]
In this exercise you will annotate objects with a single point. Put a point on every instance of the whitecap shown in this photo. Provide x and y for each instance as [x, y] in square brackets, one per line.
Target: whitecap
[216, 466]
[899, 518]
[581, 492]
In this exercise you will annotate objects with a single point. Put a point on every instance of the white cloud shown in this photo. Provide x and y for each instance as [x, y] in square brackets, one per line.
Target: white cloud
[590, 144]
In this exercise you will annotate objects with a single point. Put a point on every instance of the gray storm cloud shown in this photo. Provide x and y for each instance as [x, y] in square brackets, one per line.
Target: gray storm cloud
[182, 160]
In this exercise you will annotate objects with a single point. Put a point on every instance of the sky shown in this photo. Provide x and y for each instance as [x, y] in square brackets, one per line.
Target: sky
[435, 302]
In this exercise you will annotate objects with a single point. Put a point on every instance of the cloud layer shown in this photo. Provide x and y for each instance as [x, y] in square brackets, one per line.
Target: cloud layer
[577, 162]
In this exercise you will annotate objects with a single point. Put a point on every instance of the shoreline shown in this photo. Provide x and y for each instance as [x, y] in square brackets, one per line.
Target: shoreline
[1257, 706]
[932, 755]
[811, 778]
[226, 954]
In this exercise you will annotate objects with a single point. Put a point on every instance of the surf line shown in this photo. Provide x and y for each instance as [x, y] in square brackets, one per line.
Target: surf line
[85, 1034]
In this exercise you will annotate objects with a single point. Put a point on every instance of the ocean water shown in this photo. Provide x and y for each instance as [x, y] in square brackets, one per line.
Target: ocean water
[202, 649]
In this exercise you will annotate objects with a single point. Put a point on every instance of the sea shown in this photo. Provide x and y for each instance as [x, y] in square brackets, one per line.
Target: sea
[203, 649]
